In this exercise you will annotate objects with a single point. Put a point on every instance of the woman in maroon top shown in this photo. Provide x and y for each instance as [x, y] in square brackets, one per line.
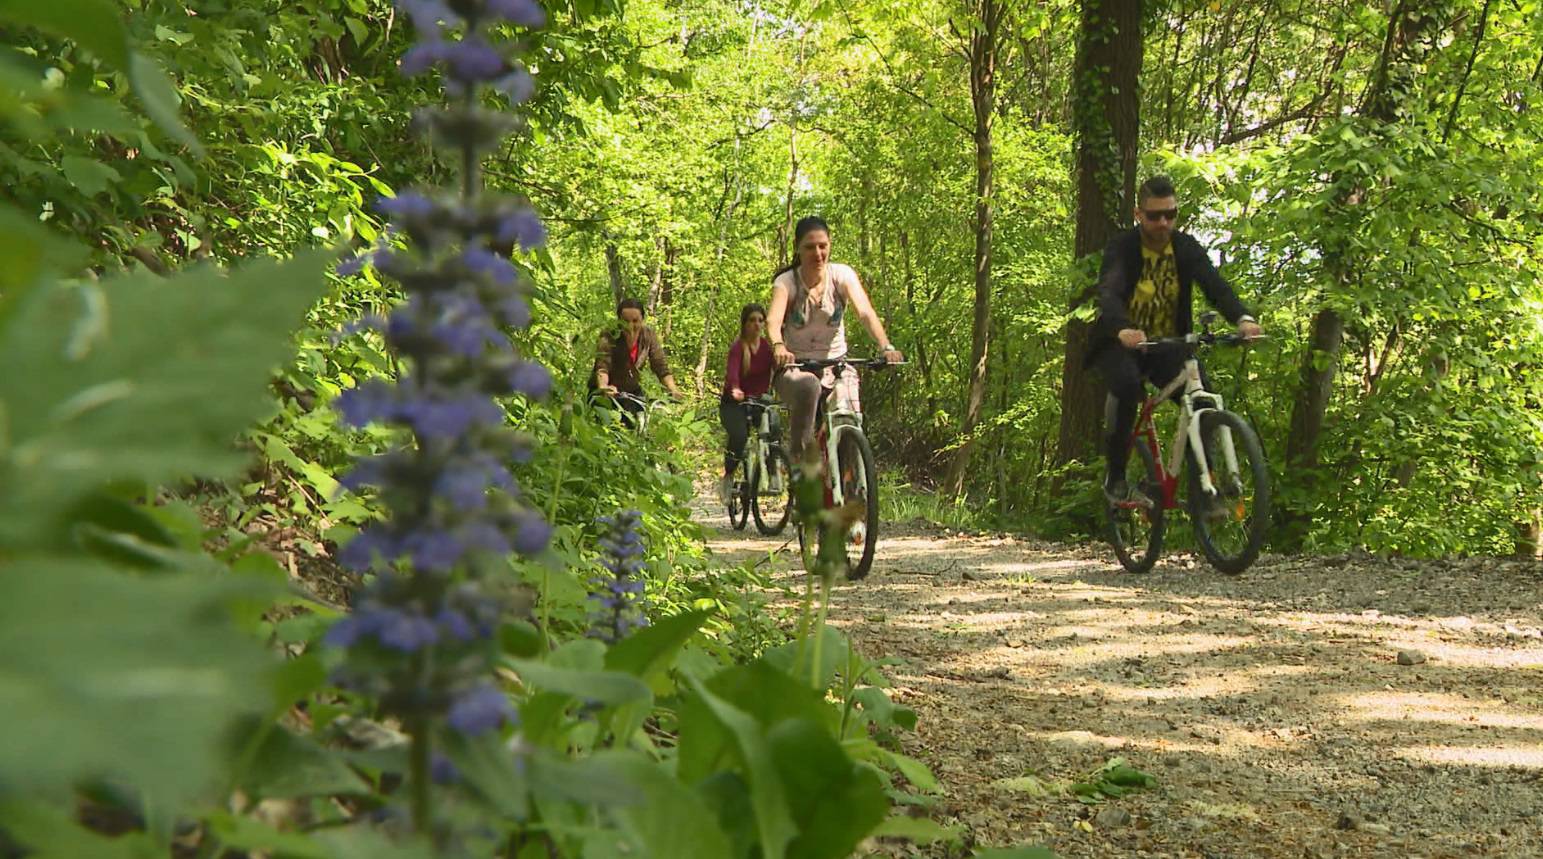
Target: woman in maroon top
[749, 376]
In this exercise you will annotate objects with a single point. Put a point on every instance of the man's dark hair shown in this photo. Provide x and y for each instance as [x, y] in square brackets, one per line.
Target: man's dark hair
[632, 303]
[1156, 186]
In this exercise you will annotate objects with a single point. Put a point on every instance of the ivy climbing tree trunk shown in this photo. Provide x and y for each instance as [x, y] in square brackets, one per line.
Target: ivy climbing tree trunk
[1408, 41]
[1106, 117]
[984, 44]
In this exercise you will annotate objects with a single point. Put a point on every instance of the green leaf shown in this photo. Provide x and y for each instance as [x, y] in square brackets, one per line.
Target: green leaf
[835, 802]
[30, 249]
[651, 651]
[159, 96]
[915, 772]
[139, 378]
[88, 175]
[50, 833]
[921, 830]
[491, 770]
[109, 675]
[592, 780]
[607, 687]
[671, 820]
[773, 820]
[93, 24]
[285, 765]
[245, 833]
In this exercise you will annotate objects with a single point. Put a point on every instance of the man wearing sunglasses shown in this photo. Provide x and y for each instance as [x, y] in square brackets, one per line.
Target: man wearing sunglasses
[1145, 290]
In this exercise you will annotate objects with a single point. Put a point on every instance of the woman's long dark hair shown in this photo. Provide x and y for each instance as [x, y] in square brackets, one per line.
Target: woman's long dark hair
[805, 226]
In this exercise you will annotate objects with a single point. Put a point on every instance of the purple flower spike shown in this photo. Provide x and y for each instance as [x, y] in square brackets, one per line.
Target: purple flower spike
[427, 14]
[481, 710]
[472, 59]
[372, 401]
[486, 262]
[517, 86]
[433, 551]
[422, 57]
[532, 534]
[523, 226]
[365, 547]
[531, 379]
[514, 311]
[406, 632]
[353, 265]
[526, 13]
[407, 204]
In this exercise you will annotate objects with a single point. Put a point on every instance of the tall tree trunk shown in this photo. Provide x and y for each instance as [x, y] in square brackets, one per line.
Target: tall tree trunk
[1403, 51]
[613, 267]
[1106, 112]
[665, 299]
[728, 204]
[983, 61]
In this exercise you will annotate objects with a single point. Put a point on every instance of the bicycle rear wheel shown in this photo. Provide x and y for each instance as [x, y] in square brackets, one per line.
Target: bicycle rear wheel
[859, 482]
[769, 493]
[739, 495]
[1231, 524]
[1137, 533]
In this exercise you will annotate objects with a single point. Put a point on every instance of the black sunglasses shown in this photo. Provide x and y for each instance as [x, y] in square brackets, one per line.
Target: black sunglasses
[1161, 214]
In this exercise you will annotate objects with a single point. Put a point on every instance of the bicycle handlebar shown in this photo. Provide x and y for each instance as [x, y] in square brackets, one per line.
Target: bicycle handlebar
[814, 364]
[1201, 339]
[623, 395]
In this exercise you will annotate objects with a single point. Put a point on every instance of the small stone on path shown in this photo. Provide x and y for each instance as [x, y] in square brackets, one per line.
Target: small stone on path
[1112, 816]
[1411, 657]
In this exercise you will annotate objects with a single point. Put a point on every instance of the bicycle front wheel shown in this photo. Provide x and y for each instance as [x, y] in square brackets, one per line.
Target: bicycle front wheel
[859, 478]
[769, 493]
[1231, 523]
[739, 497]
[1135, 532]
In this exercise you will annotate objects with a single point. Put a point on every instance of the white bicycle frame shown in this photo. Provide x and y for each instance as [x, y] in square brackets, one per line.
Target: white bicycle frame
[1188, 432]
[757, 455]
[837, 419]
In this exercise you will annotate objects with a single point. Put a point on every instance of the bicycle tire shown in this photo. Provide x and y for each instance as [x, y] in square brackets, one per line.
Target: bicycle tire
[1155, 519]
[1257, 524]
[865, 477]
[739, 499]
[765, 522]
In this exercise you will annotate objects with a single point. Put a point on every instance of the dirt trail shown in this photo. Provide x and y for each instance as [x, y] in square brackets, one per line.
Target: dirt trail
[1271, 708]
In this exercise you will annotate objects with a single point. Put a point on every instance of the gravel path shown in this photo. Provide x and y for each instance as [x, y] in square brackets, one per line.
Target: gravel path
[1272, 708]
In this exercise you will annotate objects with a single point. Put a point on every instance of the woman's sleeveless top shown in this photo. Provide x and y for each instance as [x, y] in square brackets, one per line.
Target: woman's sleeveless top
[811, 330]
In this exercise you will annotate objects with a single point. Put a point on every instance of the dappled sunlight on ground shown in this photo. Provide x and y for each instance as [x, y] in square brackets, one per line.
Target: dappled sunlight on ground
[1269, 705]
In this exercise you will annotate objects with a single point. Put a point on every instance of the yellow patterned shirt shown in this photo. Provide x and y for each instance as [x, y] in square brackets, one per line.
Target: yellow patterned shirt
[1154, 303]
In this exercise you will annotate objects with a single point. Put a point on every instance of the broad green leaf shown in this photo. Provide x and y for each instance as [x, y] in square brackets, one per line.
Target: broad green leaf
[834, 653]
[834, 801]
[671, 820]
[491, 771]
[159, 96]
[29, 249]
[137, 378]
[49, 832]
[93, 24]
[606, 687]
[773, 820]
[104, 674]
[276, 763]
[921, 830]
[651, 651]
[354, 842]
[88, 175]
[592, 780]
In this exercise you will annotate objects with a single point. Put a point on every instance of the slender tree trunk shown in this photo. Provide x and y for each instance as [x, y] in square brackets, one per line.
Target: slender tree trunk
[613, 267]
[1392, 84]
[1106, 113]
[983, 60]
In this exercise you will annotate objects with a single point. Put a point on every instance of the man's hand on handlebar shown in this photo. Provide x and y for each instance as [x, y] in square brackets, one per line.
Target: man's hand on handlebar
[1132, 338]
[893, 356]
[1249, 330]
[609, 390]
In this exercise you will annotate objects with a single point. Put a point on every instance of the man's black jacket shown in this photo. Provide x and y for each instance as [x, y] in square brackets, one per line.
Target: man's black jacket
[1122, 269]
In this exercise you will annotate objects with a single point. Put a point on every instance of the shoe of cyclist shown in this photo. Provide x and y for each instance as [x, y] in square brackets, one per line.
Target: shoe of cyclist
[1215, 508]
[725, 489]
[1118, 491]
